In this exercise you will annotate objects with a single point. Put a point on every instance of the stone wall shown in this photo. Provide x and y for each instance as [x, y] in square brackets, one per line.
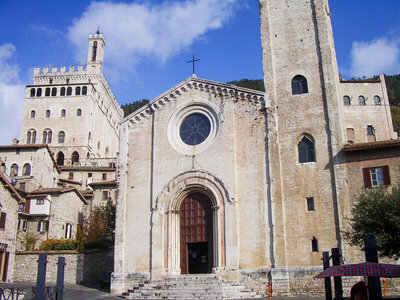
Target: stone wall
[81, 267]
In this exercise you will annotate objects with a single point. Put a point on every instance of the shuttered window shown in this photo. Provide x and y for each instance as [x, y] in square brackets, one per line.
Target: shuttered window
[376, 176]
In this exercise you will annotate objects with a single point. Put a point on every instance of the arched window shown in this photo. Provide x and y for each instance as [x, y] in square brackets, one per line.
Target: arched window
[62, 91]
[14, 170]
[48, 113]
[77, 90]
[32, 92]
[60, 158]
[26, 170]
[47, 135]
[346, 100]
[69, 91]
[74, 158]
[39, 92]
[47, 92]
[361, 100]
[306, 150]
[299, 85]
[63, 113]
[89, 137]
[31, 136]
[78, 112]
[54, 91]
[377, 100]
[314, 244]
[94, 52]
[33, 114]
[84, 90]
[61, 137]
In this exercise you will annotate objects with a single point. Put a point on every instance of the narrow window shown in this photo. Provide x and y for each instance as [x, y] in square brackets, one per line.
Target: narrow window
[63, 112]
[62, 91]
[79, 112]
[84, 90]
[31, 136]
[314, 244]
[310, 203]
[370, 133]
[346, 100]
[306, 150]
[33, 114]
[376, 176]
[44, 137]
[350, 135]
[68, 228]
[77, 90]
[24, 225]
[69, 91]
[51, 81]
[299, 85]
[34, 137]
[39, 92]
[32, 92]
[377, 100]
[26, 170]
[105, 195]
[47, 136]
[61, 137]
[3, 220]
[67, 81]
[48, 113]
[40, 201]
[104, 176]
[89, 137]
[14, 170]
[47, 92]
[75, 158]
[94, 52]
[54, 91]
[361, 100]
[90, 175]
[28, 137]
[106, 152]
[71, 175]
[98, 146]
[60, 158]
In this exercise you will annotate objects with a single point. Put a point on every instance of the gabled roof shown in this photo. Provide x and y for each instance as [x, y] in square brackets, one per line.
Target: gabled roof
[11, 189]
[256, 97]
[372, 145]
[34, 147]
[49, 191]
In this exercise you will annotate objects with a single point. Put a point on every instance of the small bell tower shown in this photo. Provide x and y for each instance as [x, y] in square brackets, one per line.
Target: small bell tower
[95, 52]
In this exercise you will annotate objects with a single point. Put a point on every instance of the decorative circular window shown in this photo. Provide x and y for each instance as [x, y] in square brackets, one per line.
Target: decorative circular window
[195, 129]
[192, 129]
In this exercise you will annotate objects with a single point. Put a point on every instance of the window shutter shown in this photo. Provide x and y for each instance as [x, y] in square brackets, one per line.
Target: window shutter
[3, 220]
[367, 177]
[386, 175]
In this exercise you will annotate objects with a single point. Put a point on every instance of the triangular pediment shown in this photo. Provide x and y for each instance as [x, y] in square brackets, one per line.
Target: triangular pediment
[208, 86]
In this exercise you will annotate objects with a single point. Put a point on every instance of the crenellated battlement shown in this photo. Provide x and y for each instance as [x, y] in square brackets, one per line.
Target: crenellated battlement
[72, 70]
[96, 35]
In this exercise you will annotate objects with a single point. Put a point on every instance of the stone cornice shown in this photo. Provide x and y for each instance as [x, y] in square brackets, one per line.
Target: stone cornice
[216, 88]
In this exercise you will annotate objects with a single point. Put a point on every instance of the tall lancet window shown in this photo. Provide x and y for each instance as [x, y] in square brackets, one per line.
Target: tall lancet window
[94, 53]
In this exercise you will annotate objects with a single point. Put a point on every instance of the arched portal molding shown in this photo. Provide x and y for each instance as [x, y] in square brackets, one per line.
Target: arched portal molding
[189, 182]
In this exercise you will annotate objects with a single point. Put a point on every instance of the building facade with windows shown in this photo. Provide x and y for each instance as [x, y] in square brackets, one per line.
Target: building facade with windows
[73, 110]
[214, 178]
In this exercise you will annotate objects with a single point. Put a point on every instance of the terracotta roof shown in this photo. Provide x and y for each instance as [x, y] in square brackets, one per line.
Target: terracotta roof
[372, 145]
[100, 183]
[11, 188]
[41, 192]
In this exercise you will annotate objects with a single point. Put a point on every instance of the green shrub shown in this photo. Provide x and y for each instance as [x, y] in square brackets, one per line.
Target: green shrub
[61, 244]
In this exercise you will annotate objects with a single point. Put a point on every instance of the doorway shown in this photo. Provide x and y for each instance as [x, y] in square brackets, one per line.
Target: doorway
[196, 234]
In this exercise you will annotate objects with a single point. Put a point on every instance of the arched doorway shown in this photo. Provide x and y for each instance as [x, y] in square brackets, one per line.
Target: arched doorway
[60, 158]
[196, 234]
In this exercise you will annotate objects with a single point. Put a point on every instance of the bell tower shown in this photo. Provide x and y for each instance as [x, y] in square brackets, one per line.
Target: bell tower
[95, 52]
[305, 131]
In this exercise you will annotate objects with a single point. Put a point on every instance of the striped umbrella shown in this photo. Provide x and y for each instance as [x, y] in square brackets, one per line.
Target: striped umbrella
[362, 269]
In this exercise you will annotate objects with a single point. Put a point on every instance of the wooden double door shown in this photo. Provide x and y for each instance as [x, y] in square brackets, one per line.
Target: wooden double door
[196, 234]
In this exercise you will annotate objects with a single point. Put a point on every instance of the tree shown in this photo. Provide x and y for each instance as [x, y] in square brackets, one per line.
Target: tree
[377, 212]
[98, 227]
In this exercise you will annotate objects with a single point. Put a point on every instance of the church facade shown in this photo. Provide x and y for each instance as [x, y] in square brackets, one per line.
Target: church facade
[214, 178]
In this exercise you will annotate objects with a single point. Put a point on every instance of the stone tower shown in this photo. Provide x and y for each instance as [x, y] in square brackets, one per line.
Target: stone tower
[305, 130]
[73, 110]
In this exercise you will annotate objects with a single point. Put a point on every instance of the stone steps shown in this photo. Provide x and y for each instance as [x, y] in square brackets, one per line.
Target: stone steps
[207, 286]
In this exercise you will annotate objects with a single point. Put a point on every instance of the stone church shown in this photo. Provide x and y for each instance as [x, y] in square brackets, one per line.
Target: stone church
[215, 178]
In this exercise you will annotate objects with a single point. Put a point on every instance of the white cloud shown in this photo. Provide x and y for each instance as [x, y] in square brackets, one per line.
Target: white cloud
[142, 30]
[375, 57]
[12, 95]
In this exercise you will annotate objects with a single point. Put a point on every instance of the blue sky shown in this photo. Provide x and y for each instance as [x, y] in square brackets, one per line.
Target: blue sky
[149, 43]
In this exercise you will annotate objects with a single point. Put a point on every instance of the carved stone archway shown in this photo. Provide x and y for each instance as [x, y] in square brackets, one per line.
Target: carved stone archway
[168, 203]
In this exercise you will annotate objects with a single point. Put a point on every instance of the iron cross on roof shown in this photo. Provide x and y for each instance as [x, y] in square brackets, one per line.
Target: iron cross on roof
[193, 61]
